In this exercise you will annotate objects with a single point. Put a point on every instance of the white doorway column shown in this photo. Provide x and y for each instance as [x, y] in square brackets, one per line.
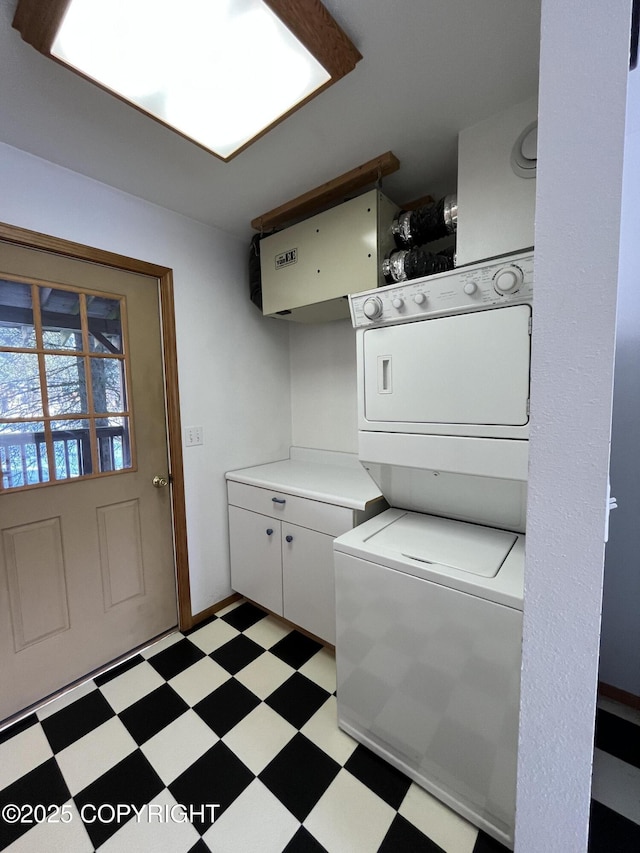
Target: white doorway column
[582, 97]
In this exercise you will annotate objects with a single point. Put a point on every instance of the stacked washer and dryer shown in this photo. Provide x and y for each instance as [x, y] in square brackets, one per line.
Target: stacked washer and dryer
[429, 594]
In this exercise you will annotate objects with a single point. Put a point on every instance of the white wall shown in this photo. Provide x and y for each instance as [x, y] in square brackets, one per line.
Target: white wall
[323, 386]
[582, 100]
[233, 364]
[620, 640]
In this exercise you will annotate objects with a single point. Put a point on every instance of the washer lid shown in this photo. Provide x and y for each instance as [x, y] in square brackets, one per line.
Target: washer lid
[441, 541]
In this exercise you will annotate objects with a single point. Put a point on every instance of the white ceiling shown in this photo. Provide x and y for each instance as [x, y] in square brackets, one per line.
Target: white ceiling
[429, 68]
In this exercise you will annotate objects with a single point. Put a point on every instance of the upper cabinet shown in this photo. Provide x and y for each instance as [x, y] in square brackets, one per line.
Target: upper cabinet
[308, 270]
[497, 161]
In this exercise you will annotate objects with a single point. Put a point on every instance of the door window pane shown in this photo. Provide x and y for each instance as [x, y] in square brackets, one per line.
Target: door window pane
[61, 321]
[107, 382]
[23, 454]
[71, 448]
[105, 326]
[114, 448]
[20, 394]
[16, 315]
[66, 384]
[63, 391]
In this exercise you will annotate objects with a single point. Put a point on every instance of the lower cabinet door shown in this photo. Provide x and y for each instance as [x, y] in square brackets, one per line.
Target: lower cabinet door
[308, 581]
[256, 557]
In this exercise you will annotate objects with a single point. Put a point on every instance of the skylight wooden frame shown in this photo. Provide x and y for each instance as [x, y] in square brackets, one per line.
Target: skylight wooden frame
[38, 22]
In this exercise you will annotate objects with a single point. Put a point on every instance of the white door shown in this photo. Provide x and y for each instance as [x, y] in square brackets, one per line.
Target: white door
[463, 370]
[308, 588]
[87, 567]
[256, 557]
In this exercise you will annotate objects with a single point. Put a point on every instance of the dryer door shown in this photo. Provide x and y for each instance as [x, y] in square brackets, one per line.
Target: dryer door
[466, 374]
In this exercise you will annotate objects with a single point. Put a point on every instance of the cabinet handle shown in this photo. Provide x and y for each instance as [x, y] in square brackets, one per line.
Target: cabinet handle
[269, 531]
[289, 538]
[278, 500]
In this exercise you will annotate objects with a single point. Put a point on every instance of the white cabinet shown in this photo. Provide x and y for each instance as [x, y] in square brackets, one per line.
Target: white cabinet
[256, 557]
[496, 204]
[308, 268]
[281, 545]
[286, 568]
[308, 586]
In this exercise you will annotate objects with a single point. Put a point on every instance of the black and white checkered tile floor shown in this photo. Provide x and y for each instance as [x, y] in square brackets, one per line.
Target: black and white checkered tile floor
[238, 714]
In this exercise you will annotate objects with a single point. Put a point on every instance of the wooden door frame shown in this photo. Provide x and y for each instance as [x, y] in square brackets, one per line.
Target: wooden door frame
[164, 276]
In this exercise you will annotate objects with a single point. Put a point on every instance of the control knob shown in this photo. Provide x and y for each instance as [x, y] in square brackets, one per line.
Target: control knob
[470, 288]
[508, 279]
[398, 302]
[372, 308]
[419, 298]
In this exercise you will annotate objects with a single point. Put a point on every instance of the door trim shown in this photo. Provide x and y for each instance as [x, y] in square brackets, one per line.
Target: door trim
[56, 245]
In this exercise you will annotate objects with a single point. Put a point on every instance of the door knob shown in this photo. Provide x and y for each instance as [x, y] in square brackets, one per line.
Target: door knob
[159, 482]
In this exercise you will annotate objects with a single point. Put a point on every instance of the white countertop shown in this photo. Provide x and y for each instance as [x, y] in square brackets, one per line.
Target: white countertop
[321, 475]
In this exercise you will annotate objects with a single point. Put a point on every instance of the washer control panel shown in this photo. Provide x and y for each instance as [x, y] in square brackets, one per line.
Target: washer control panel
[490, 284]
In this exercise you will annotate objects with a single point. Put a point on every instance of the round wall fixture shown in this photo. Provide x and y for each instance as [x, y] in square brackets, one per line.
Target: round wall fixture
[524, 155]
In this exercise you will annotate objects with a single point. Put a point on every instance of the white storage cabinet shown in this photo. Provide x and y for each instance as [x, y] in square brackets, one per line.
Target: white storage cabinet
[282, 553]
[308, 268]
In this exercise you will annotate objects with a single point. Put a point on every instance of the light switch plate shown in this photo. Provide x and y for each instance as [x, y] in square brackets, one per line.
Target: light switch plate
[193, 436]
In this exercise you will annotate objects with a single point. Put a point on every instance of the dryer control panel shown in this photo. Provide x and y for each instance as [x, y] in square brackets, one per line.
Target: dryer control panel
[491, 284]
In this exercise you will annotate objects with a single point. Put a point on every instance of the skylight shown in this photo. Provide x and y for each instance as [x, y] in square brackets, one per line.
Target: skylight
[220, 72]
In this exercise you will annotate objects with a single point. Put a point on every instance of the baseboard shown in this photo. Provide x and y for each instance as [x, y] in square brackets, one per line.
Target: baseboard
[618, 695]
[211, 611]
[294, 626]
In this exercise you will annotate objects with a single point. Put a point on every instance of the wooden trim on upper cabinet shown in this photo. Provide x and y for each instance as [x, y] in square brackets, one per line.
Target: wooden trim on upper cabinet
[311, 24]
[329, 193]
[164, 275]
[415, 203]
[38, 21]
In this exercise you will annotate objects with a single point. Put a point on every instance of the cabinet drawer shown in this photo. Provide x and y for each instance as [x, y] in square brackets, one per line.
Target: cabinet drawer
[316, 515]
